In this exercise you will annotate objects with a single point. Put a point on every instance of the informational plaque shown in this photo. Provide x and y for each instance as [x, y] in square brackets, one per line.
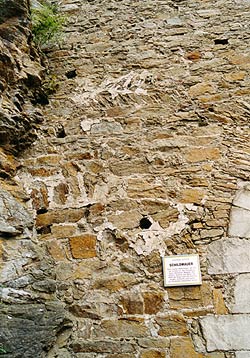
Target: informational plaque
[181, 270]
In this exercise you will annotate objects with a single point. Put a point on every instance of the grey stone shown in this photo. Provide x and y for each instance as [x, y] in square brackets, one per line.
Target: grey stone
[14, 217]
[242, 198]
[227, 333]
[239, 225]
[230, 255]
[29, 330]
[242, 294]
[242, 354]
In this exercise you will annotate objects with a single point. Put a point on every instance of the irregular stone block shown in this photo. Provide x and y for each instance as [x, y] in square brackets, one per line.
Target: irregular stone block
[28, 330]
[83, 246]
[172, 325]
[14, 217]
[102, 346]
[122, 328]
[183, 348]
[229, 255]
[229, 333]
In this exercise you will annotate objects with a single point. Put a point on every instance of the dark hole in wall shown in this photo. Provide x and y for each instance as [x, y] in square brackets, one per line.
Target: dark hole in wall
[145, 223]
[61, 133]
[221, 42]
[71, 74]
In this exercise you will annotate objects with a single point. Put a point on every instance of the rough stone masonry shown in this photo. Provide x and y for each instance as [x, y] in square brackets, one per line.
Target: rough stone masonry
[143, 152]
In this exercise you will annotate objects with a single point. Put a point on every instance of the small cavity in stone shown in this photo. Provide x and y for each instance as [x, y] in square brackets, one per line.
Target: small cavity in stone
[145, 223]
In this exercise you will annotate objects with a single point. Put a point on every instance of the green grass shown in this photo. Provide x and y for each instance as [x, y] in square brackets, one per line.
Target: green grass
[47, 24]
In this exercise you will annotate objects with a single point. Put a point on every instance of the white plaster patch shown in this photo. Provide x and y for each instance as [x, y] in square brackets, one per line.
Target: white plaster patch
[87, 123]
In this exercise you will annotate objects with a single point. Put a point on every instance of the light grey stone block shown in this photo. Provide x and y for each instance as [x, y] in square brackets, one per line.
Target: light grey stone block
[242, 295]
[242, 354]
[242, 198]
[229, 333]
[229, 255]
[239, 225]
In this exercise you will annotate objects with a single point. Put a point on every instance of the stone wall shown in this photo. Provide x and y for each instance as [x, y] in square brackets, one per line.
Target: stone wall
[144, 152]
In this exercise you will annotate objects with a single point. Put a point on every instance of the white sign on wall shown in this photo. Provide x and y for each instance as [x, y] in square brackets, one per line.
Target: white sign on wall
[181, 270]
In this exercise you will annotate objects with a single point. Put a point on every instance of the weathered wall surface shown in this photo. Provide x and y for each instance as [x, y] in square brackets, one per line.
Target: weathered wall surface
[151, 121]
[20, 78]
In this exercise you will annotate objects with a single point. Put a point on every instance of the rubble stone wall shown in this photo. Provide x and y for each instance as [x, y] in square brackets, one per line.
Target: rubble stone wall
[144, 152]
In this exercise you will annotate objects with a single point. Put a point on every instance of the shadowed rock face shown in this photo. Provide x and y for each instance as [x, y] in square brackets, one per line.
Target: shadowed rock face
[30, 330]
[20, 79]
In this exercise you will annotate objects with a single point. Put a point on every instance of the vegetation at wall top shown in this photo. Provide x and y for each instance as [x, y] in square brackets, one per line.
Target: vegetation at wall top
[47, 23]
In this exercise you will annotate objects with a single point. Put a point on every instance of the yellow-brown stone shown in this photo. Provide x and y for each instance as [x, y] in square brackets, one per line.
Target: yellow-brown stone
[202, 154]
[83, 246]
[183, 347]
[153, 301]
[194, 196]
[55, 250]
[172, 325]
[219, 303]
[152, 354]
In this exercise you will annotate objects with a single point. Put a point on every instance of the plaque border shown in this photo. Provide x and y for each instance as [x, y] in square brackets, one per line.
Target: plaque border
[181, 283]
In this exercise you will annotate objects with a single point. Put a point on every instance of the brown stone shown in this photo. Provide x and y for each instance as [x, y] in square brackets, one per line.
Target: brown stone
[132, 304]
[126, 219]
[121, 328]
[42, 172]
[39, 197]
[59, 216]
[166, 217]
[152, 354]
[219, 304]
[153, 301]
[201, 88]
[235, 76]
[194, 196]
[55, 250]
[183, 348]
[159, 342]
[128, 167]
[8, 164]
[202, 154]
[83, 246]
[51, 159]
[61, 231]
[139, 188]
[115, 283]
[193, 56]
[172, 325]
[61, 192]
